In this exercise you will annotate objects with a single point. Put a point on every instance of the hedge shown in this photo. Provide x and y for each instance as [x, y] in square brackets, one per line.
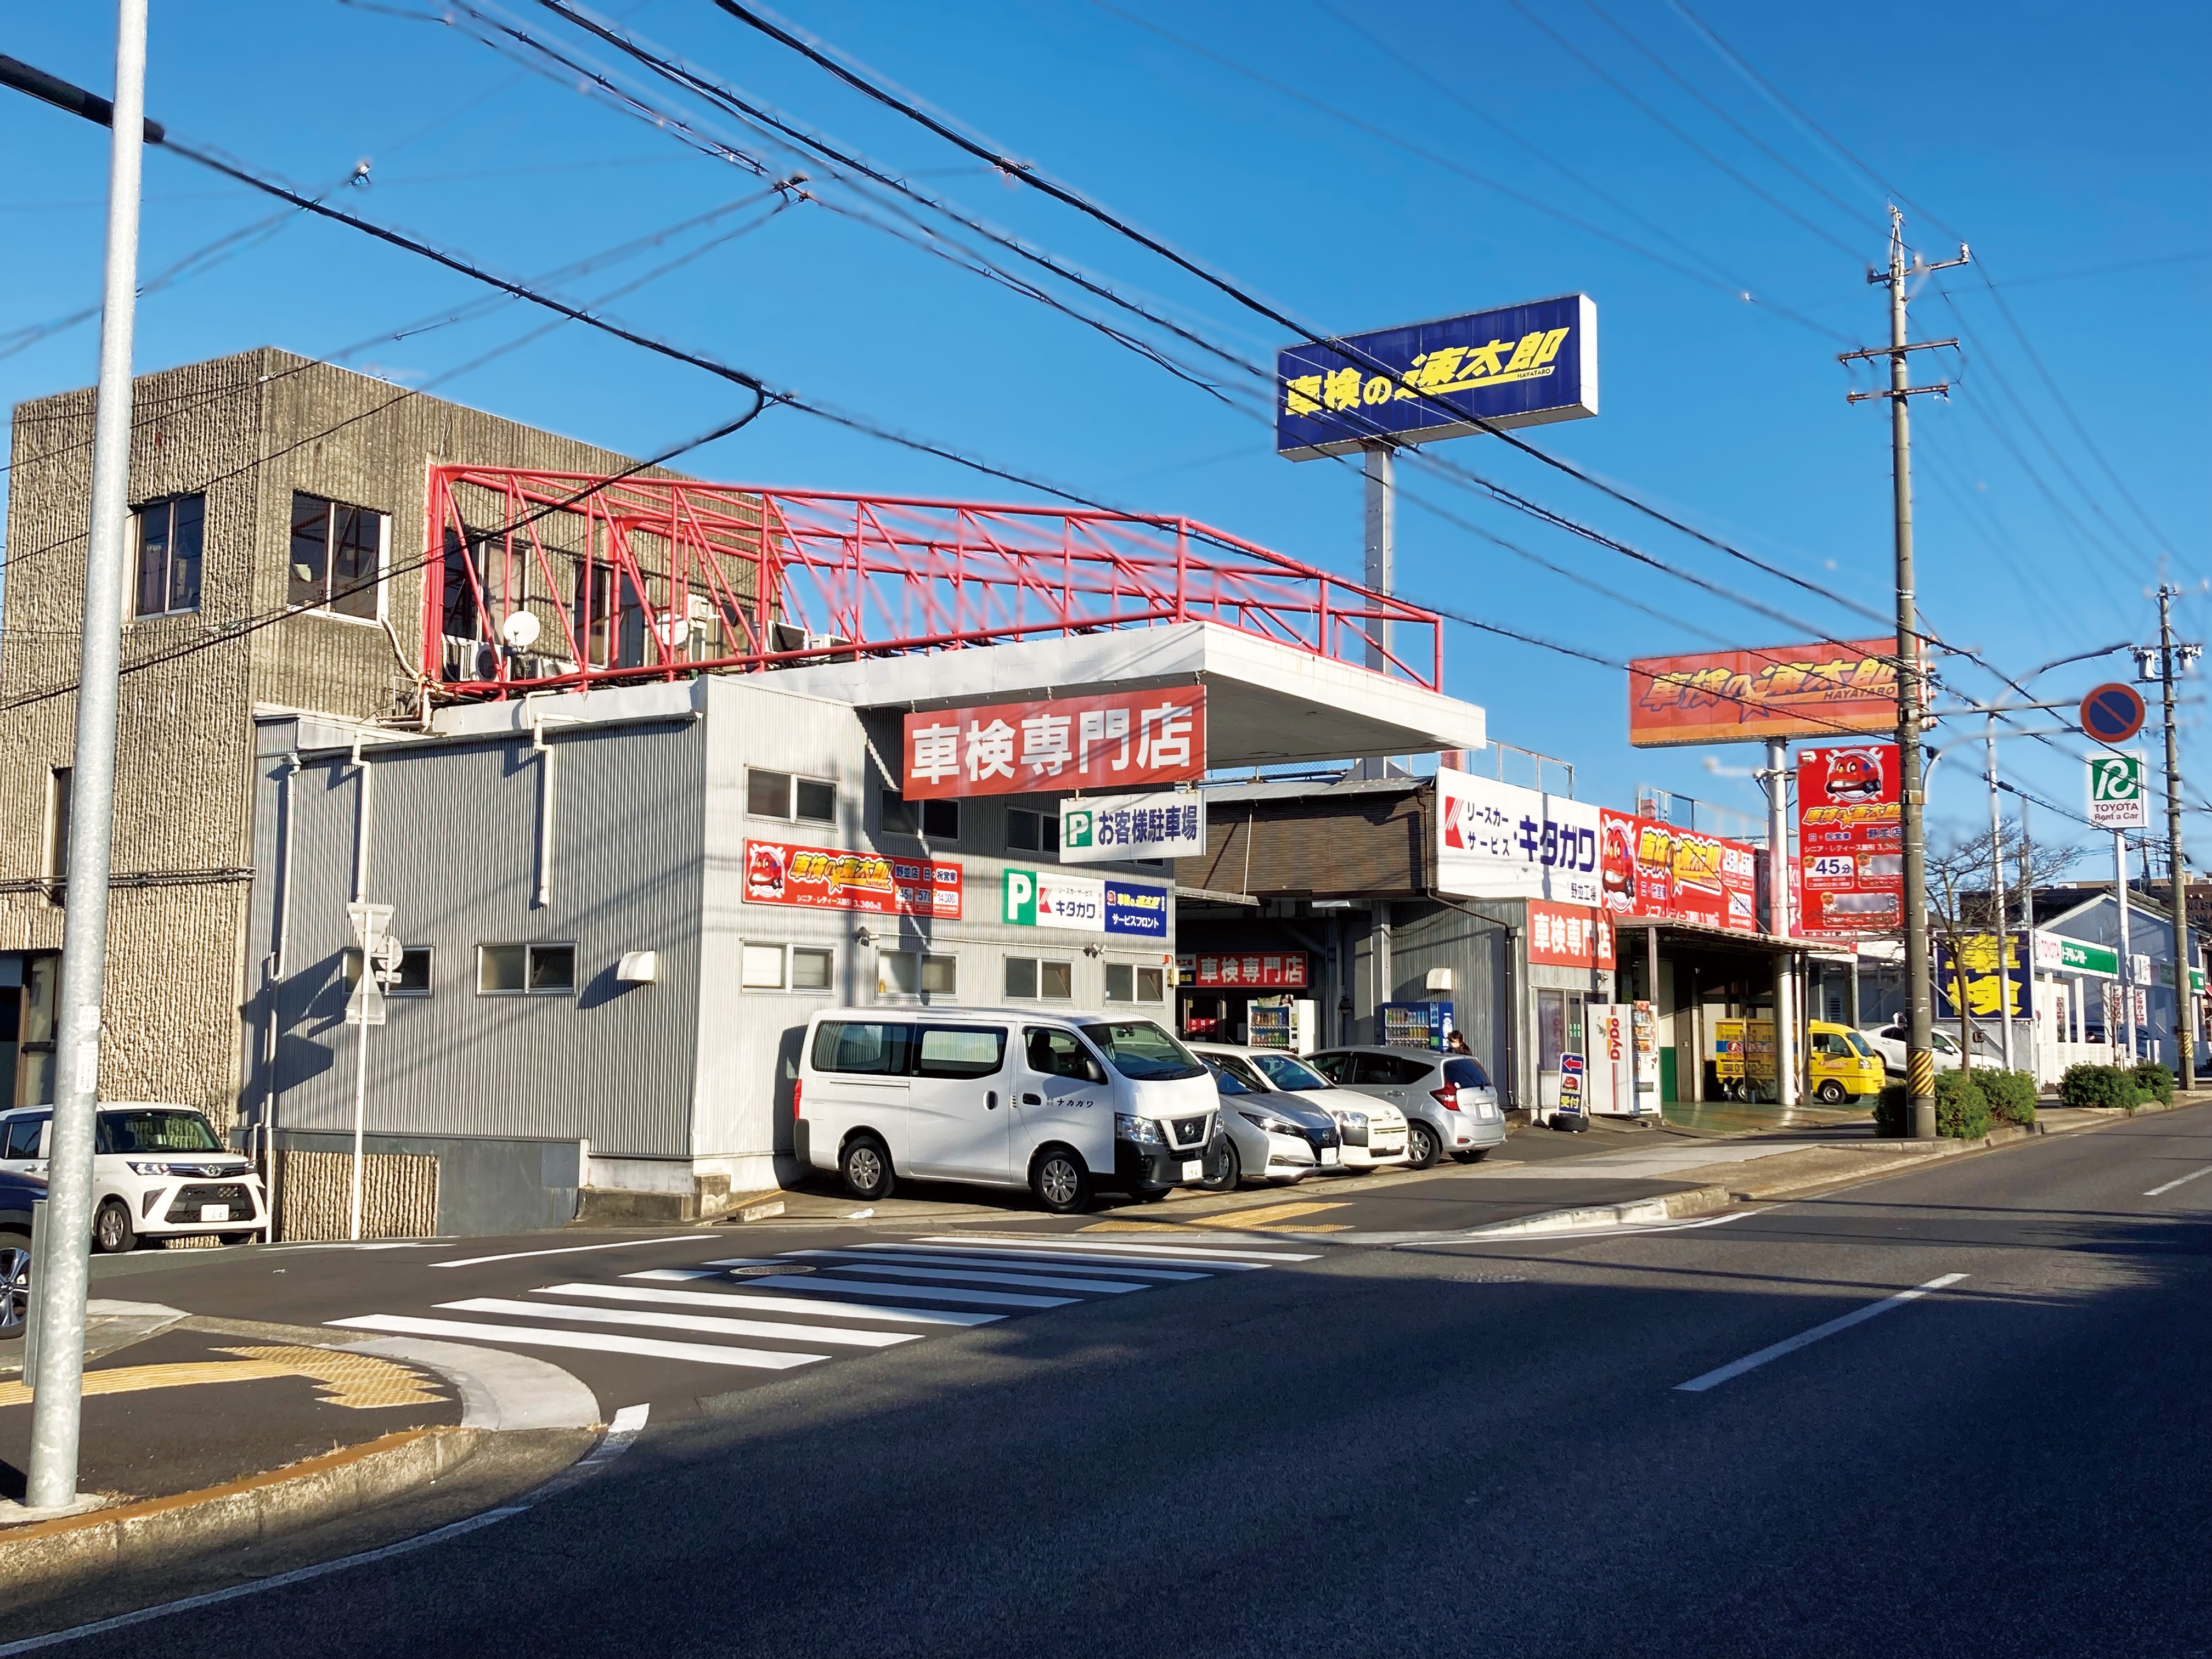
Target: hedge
[2011, 1096]
[2103, 1085]
[1962, 1110]
[2156, 1081]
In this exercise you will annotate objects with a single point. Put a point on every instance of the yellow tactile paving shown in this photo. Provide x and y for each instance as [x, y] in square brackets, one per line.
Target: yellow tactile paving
[357, 1382]
[1268, 1214]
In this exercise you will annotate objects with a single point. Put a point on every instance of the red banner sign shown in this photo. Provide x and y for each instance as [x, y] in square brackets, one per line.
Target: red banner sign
[1657, 871]
[1125, 740]
[1568, 935]
[1783, 691]
[825, 878]
[1272, 970]
[1851, 842]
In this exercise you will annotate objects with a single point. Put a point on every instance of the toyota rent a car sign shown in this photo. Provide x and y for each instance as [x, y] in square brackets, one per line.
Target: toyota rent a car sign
[2118, 799]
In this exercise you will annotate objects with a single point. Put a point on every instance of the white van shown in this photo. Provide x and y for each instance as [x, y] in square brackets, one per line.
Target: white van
[1064, 1104]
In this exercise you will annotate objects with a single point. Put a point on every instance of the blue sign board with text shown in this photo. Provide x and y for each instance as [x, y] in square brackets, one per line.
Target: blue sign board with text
[1521, 366]
[1136, 911]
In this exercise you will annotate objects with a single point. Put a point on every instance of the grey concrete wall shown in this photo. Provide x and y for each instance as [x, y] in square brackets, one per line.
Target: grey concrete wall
[484, 1186]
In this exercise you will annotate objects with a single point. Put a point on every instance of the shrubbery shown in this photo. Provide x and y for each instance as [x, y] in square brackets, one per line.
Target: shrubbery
[1962, 1110]
[2104, 1085]
[2011, 1096]
[2154, 1081]
[1890, 1107]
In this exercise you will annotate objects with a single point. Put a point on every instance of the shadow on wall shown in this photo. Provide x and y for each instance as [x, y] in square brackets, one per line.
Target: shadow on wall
[787, 1045]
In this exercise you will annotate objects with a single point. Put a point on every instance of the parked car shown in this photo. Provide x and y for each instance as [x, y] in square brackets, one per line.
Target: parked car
[1840, 1064]
[1448, 1100]
[1889, 1042]
[158, 1172]
[17, 1194]
[1373, 1131]
[1266, 1134]
[1062, 1104]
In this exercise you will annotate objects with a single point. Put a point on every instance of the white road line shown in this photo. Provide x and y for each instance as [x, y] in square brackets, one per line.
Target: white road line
[982, 1276]
[813, 1305]
[922, 1255]
[1751, 1362]
[678, 1273]
[2183, 1181]
[920, 1293]
[705, 1324]
[737, 1262]
[1000, 1242]
[621, 1434]
[566, 1249]
[649, 1347]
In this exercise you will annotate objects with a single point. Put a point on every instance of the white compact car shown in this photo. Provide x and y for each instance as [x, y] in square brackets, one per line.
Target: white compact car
[1061, 1103]
[158, 1172]
[1373, 1131]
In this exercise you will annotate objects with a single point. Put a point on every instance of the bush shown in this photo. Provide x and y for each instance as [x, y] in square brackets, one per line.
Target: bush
[1962, 1110]
[2011, 1096]
[2154, 1081]
[1890, 1109]
[2099, 1086]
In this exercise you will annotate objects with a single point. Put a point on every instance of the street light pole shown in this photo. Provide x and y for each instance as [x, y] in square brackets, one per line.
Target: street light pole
[65, 1274]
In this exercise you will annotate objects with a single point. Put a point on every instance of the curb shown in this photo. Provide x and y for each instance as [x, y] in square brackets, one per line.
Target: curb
[40, 1556]
[1667, 1207]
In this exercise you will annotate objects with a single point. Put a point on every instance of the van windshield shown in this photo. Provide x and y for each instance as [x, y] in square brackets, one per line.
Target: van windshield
[155, 1132]
[1142, 1052]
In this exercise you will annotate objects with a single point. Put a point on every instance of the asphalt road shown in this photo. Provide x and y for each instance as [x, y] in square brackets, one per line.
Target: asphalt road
[1425, 1450]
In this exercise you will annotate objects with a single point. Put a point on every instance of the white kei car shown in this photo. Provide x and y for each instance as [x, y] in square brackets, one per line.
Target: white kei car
[158, 1172]
[1373, 1131]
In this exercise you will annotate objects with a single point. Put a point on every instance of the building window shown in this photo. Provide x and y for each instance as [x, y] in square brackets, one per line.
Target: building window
[169, 541]
[413, 979]
[463, 578]
[337, 558]
[781, 795]
[810, 969]
[785, 967]
[916, 974]
[57, 822]
[1028, 979]
[514, 971]
[1033, 832]
[762, 968]
[1126, 982]
[935, 820]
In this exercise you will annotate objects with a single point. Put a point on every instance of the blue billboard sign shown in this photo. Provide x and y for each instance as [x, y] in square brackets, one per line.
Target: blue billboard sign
[1523, 365]
[1138, 911]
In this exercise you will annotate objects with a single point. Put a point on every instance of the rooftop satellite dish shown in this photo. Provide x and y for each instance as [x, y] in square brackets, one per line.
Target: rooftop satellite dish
[519, 631]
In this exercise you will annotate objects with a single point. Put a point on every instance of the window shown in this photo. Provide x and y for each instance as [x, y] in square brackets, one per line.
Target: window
[24, 1134]
[1233, 1076]
[1463, 1072]
[936, 820]
[337, 558]
[1151, 985]
[960, 1051]
[781, 795]
[1388, 1071]
[1033, 832]
[464, 580]
[1335, 1068]
[1142, 1052]
[1027, 978]
[863, 1048]
[1060, 1054]
[1126, 982]
[1288, 1073]
[413, 979]
[810, 969]
[58, 821]
[762, 969]
[154, 1131]
[526, 970]
[916, 973]
[169, 540]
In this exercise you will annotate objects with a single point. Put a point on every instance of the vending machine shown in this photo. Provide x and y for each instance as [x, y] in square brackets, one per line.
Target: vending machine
[1413, 1024]
[1622, 1065]
[1288, 1023]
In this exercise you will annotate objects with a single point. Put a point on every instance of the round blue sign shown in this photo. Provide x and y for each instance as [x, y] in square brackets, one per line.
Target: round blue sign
[2113, 713]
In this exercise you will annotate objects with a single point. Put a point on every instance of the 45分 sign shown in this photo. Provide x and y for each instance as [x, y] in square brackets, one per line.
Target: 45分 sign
[2118, 799]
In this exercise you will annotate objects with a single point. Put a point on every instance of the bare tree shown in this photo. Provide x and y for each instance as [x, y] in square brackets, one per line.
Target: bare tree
[1961, 905]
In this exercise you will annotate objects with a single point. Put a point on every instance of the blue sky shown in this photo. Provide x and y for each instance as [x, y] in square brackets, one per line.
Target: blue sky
[2065, 466]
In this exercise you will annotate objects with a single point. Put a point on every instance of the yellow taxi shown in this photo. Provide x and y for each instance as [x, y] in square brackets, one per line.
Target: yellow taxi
[1840, 1065]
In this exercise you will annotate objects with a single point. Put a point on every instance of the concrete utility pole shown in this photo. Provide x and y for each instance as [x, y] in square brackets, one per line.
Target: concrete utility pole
[1776, 775]
[65, 1276]
[1998, 892]
[1920, 1057]
[1381, 545]
[2171, 656]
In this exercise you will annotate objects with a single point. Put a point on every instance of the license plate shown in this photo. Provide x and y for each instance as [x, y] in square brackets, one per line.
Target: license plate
[1194, 1170]
[214, 1212]
[1328, 1155]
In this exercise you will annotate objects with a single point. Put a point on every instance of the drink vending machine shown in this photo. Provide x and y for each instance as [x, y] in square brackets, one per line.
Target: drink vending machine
[1622, 1072]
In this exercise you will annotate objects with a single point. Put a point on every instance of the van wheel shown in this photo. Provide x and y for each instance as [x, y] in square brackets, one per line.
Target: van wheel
[1060, 1181]
[1232, 1170]
[111, 1231]
[1421, 1142]
[866, 1164]
[1830, 1091]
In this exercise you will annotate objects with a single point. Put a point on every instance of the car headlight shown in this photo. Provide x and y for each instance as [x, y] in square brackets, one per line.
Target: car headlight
[1142, 1131]
[1353, 1120]
[137, 1168]
[1273, 1125]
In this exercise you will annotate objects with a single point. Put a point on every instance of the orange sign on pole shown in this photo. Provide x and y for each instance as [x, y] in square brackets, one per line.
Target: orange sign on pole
[1781, 691]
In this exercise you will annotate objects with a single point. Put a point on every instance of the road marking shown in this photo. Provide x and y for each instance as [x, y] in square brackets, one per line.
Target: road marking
[1268, 1214]
[591, 1341]
[920, 1292]
[705, 1324]
[805, 1304]
[621, 1434]
[1031, 1242]
[2183, 1181]
[1804, 1339]
[567, 1249]
[983, 1276]
[680, 1275]
[922, 1256]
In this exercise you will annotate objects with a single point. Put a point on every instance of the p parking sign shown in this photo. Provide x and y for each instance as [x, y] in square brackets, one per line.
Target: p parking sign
[2118, 799]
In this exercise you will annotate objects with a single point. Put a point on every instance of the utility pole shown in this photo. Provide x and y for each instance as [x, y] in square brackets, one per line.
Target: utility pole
[1920, 1056]
[65, 1274]
[1775, 774]
[1381, 553]
[2171, 656]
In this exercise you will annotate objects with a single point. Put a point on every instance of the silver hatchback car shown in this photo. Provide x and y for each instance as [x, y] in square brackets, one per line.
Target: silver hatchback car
[1448, 1100]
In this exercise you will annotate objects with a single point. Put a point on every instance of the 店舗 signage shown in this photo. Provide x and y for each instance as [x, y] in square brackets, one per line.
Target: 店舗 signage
[1570, 936]
[1054, 744]
[1098, 829]
[1271, 970]
[2118, 799]
[1657, 871]
[1822, 690]
[1521, 366]
[825, 878]
[1084, 904]
[1850, 849]
[2054, 953]
[1500, 841]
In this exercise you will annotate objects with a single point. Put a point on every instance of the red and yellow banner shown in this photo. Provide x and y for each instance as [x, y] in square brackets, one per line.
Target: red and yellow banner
[826, 878]
[1781, 691]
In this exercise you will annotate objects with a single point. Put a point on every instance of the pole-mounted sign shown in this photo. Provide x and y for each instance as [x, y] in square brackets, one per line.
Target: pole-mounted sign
[2118, 799]
[2113, 713]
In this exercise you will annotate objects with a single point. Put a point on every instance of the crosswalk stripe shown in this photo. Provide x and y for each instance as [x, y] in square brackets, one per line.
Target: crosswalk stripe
[677, 1274]
[1201, 1251]
[983, 1276]
[920, 1292]
[813, 1306]
[649, 1347]
[1104, 1255]
[923, 1255]
[705, 1324]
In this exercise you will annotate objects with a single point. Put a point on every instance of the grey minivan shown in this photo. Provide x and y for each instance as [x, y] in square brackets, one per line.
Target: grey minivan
[1448, 1100]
